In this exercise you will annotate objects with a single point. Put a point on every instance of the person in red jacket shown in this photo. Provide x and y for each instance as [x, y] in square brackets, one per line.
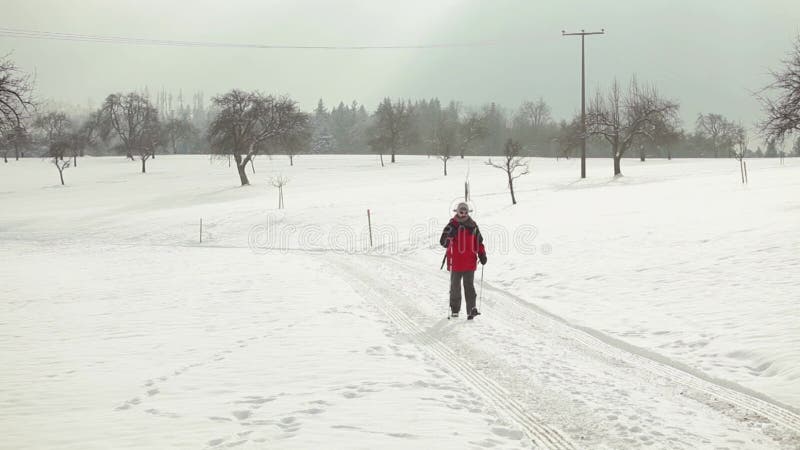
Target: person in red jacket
[464, 243]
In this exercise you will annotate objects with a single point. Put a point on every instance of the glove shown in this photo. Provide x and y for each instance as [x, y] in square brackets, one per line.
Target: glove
[448, 235]
[482, 257]
[453, 232]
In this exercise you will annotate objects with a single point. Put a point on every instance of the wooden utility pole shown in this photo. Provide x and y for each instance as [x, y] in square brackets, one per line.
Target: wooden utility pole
[583, 34]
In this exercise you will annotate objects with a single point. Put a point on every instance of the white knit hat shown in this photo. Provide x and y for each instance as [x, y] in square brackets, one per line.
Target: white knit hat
[463, 206]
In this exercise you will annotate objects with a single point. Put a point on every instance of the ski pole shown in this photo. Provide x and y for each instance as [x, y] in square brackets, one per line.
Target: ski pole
[480, 301]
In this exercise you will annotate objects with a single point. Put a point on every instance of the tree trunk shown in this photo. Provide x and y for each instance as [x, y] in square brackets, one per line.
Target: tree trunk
[641, 154]
[392, 155]
[143, 162]
[511, 188]
[240, 168]
[741, 169]
[252, 165]
[16, 154]
[382, 160]
[5, 158]
[445, 167]
[61, 175]
[291, 160]
[74, 160]
[617, 167]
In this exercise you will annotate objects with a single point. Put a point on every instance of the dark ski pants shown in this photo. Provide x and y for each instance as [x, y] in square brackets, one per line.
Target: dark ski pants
[455, 290]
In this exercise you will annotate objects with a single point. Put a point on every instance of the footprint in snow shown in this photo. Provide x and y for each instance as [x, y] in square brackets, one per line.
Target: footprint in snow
[242, 415]
[128, 404]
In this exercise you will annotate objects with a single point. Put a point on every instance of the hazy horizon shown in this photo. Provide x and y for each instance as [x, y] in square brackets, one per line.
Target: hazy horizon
[710, 57]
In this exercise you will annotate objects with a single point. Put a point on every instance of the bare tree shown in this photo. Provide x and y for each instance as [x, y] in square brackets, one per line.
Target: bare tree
[719, 130]
[153, 138]
[83, 137]
[5, 145]
[56, 152]
[665, 132]
[297, 140]
[21, 140]
[392, 127]
[781, 98]
[246, 121]
[661, 132]
[534, 114]
[514, 165]
[740, 148]
[279, 182]
[376, 142]
[54, 127]
[569, 136]
[622, 117]
[16, 101]
[470, 130]
[134, 120]
[15, 137]
[445, 136]
[177, 132]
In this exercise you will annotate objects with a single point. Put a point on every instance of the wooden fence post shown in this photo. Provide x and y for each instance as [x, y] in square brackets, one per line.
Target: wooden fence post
[369, 224]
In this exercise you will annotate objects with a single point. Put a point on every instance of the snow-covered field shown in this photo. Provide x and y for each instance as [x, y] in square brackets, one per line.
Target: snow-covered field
[658, 310]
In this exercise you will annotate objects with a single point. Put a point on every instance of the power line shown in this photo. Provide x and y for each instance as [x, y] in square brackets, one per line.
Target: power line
[125, 40]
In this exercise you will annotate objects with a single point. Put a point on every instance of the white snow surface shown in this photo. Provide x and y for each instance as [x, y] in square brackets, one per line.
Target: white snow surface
[655, 310]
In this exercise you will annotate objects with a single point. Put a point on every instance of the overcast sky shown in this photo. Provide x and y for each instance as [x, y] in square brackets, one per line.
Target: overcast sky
[708, 55]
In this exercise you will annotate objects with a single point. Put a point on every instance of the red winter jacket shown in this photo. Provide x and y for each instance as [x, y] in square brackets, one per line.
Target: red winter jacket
[464, 243]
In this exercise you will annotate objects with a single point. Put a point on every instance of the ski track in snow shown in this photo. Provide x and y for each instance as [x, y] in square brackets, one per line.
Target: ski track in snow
[395, 282]
[542, 435]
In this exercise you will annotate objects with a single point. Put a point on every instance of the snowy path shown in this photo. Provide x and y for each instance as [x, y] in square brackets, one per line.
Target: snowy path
[365, 362]
[545, 376]
[130, 351]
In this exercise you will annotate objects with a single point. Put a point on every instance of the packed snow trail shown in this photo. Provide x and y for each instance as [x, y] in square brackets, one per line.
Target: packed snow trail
[581, 388]
[123, 353]
[542, 435]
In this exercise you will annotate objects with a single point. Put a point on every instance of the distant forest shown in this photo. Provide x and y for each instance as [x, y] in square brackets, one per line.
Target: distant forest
[344, 128]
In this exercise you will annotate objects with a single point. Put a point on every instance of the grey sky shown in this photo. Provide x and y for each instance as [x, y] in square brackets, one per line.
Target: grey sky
[709, 55]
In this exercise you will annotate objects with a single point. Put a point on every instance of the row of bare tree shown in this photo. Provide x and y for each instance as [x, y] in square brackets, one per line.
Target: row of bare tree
[621, 120]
